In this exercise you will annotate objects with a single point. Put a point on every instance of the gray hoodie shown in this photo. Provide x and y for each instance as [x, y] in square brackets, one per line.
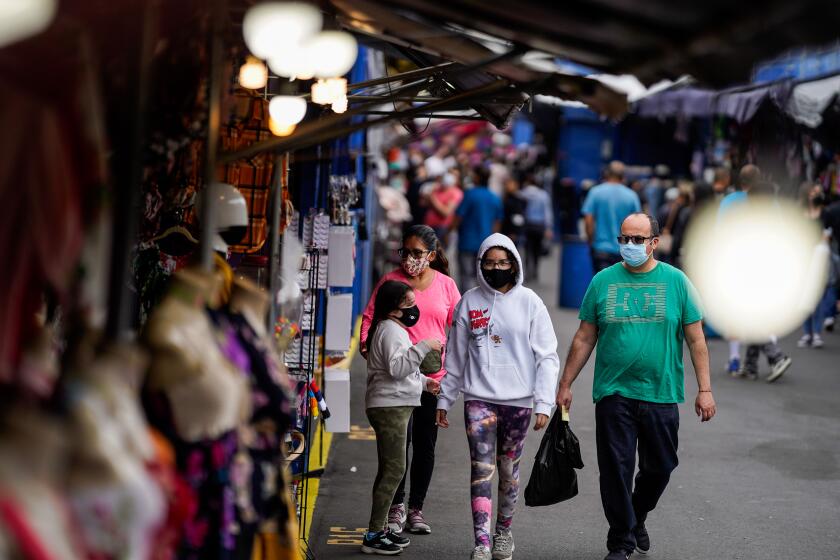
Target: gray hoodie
[394, 377]
[502, 348]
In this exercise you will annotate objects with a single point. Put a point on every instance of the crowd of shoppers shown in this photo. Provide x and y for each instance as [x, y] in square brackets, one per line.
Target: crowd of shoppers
[496, 346]
[468, 187]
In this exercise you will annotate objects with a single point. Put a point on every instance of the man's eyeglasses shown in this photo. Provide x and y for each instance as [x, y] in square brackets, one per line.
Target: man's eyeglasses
[635, 239]
[501, 265]
[416, 253]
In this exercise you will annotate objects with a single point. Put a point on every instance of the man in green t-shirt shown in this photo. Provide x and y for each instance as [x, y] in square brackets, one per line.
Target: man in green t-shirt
[638, 312]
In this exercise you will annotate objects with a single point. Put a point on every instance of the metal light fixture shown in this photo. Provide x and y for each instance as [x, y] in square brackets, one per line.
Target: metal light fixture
[253, 74]
[270, 26]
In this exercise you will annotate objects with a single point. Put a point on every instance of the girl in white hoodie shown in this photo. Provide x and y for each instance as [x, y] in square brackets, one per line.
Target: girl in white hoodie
[502, 355]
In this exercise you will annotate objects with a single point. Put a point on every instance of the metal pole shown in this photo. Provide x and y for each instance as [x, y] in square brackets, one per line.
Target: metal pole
[214, 97]
[275, 263]
[128, 175]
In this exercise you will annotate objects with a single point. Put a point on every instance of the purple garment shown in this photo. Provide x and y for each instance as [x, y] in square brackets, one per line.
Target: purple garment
[232, 350]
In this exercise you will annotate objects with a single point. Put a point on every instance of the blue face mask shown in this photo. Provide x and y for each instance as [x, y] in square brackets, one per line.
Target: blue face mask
[634, 255]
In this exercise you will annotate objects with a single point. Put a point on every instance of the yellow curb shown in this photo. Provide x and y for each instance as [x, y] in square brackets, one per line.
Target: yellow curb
[326, 437]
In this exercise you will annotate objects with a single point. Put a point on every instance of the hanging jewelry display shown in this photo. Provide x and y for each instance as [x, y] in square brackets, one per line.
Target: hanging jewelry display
[344, 193]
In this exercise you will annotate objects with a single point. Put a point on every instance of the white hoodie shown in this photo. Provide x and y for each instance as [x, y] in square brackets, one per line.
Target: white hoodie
[502, 348]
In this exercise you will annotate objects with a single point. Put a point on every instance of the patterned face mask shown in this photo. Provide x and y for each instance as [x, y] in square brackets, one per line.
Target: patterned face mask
[414, 266]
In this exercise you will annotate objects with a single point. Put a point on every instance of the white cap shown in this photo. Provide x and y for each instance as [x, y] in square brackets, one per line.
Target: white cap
[231, 214]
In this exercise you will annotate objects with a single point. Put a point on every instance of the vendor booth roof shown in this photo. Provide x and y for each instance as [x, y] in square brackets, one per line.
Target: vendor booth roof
[717, 41]
[803, 101]
[482, 59]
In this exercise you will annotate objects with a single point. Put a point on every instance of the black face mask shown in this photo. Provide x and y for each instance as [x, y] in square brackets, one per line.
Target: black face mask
[498, 278]
[410, 315]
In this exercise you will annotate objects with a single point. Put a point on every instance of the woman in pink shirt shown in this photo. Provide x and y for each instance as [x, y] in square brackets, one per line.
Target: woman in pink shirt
[443, 201]
[426, 270]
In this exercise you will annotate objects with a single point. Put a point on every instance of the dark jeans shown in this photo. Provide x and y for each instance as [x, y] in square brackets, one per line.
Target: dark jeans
[467, 265]
[620, 425]
[601, 260]
[771, 350]
[534, 236]
[422, 435]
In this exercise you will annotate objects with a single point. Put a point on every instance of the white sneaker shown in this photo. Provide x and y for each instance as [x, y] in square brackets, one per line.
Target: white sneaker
[804, 342]
[481, 553]
[503, 545]
[817, 342]
[396, 518]
[779, 368]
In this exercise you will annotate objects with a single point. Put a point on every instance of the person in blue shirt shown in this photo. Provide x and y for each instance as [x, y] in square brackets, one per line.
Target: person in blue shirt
[479, 214]
[749, 181]
[748, 177]
[539, 224]
[604, 210]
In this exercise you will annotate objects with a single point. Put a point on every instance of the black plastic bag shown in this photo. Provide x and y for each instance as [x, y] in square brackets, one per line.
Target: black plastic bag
[553, 478]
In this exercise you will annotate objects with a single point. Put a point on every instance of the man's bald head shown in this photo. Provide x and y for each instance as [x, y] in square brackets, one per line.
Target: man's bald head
[749, 177]
[639, 223]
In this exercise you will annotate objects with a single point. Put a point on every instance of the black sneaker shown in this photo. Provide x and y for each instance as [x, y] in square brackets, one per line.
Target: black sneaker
[618, 555]
[380, 543]
[397, 539]
[642, 539]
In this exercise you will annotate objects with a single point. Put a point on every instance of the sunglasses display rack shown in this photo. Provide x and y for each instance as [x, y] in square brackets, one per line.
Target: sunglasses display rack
[304, 359]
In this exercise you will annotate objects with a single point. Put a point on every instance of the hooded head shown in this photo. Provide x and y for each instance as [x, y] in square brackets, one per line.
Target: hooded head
[499, 240]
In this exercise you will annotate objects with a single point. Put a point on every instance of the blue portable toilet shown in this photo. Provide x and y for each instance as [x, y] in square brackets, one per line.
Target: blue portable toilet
[575, 271]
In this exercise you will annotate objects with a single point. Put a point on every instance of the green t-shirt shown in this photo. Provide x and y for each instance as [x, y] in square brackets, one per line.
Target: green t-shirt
[640, 320]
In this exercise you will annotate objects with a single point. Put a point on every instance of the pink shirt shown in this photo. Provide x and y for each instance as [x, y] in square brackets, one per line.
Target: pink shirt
[444, 196]
[436, 303]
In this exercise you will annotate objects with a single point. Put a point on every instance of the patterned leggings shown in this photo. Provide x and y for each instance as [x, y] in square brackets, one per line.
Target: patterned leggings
[496, 435]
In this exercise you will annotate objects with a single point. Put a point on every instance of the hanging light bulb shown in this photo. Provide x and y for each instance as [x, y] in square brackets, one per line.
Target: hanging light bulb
[280, 130]
[287, 110]
[337, 88]
[292, 61]
[340, 104]
[269, 26]
[326, 92]
[253, 74]
[20, 19]
[332, 53]
[321, 93]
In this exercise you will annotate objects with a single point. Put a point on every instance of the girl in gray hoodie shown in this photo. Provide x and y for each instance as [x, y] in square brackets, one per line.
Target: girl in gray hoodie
[394, 386]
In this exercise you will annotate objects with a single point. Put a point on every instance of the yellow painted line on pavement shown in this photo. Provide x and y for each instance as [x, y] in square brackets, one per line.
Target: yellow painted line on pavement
[326, 437]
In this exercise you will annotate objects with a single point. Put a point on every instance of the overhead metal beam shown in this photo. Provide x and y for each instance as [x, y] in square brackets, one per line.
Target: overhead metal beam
[327, 128]
[430, 116]
[410, 75]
